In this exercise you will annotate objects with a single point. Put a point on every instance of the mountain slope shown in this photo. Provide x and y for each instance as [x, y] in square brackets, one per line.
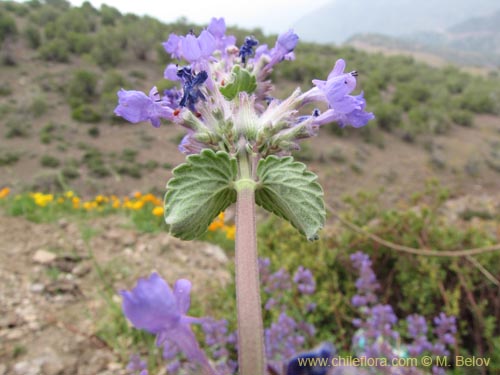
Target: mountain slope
[340, 19]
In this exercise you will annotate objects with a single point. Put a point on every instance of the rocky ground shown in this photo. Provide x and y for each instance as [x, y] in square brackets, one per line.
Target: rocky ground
[51, 302]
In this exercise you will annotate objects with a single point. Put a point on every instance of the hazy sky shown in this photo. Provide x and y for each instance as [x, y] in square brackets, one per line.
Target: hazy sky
[270, 15]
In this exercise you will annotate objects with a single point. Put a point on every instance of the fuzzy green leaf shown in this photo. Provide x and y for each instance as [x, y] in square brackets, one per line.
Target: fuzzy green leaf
[242, 80]
[289, 190]
[198, 191]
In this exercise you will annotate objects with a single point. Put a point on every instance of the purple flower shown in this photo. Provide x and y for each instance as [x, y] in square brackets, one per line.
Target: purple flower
[170, 72]
[191, 84]
[200, 48]
[283, 49]
[154, 307]
[174, 46]
[366, 283]
[282, 339]
[278, 281]
[304, 279]
[343, 107]
[189, 145]
[217, 28]
[246, 49]
[135, 106]
[286, 42]
[136, 364]
[172, 97]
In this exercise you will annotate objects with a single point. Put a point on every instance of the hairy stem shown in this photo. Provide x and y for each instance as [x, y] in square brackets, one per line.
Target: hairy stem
[251, 358]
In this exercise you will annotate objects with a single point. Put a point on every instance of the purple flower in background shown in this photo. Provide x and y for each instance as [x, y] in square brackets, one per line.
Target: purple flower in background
[156, 308]
[417, 329]
[367, 282]
[304, 279]
[445, 331]
[278, 281]
[282, 339]
[135, 106]
[136, 364]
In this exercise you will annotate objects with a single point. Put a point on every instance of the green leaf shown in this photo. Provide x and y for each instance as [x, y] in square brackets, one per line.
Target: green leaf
[289, 190]
[242, 80]
[198, 191]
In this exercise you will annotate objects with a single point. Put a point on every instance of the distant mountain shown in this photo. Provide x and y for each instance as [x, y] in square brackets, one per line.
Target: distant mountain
[341, 19]
[475, 41]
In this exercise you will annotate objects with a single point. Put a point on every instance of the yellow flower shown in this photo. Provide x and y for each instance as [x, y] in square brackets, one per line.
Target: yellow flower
[137, 205]
[69, 194]
[60, 200]
[218, 223]
[137, 194]
[41, 199]
[230, 231]
[158, 211]
[76, 202]
[116, 203]
[4, 192]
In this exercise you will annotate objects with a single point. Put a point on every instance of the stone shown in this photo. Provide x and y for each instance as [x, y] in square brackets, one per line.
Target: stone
[81, 270]
[215, 252]
[43, 257]
[53, 367]
[37, 288]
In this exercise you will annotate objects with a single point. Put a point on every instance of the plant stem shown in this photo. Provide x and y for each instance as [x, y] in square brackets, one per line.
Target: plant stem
[251, 358]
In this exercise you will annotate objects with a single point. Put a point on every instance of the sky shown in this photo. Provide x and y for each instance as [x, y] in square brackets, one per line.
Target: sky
[272, 16]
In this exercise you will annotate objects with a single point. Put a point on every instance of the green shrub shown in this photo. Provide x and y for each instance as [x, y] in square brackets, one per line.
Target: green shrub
[70, 172]
[95, 163]
[38, 106]
[94, 132]
[5, 89]
[463, 118]
[477, 100]
[17, 128]
[49, 161]
[130, 169]
[55, 50]
[80, 43]
[107, 50]
[33, 36]
[85, 113]
[129, 155]
[8, 158]
[388, 116]
[82, 88]
[109, 15]
[8, 26]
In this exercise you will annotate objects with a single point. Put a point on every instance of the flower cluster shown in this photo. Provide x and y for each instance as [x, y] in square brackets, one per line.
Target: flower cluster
[147, 205]
[376, 337]
[224, 96]
[154, 307]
